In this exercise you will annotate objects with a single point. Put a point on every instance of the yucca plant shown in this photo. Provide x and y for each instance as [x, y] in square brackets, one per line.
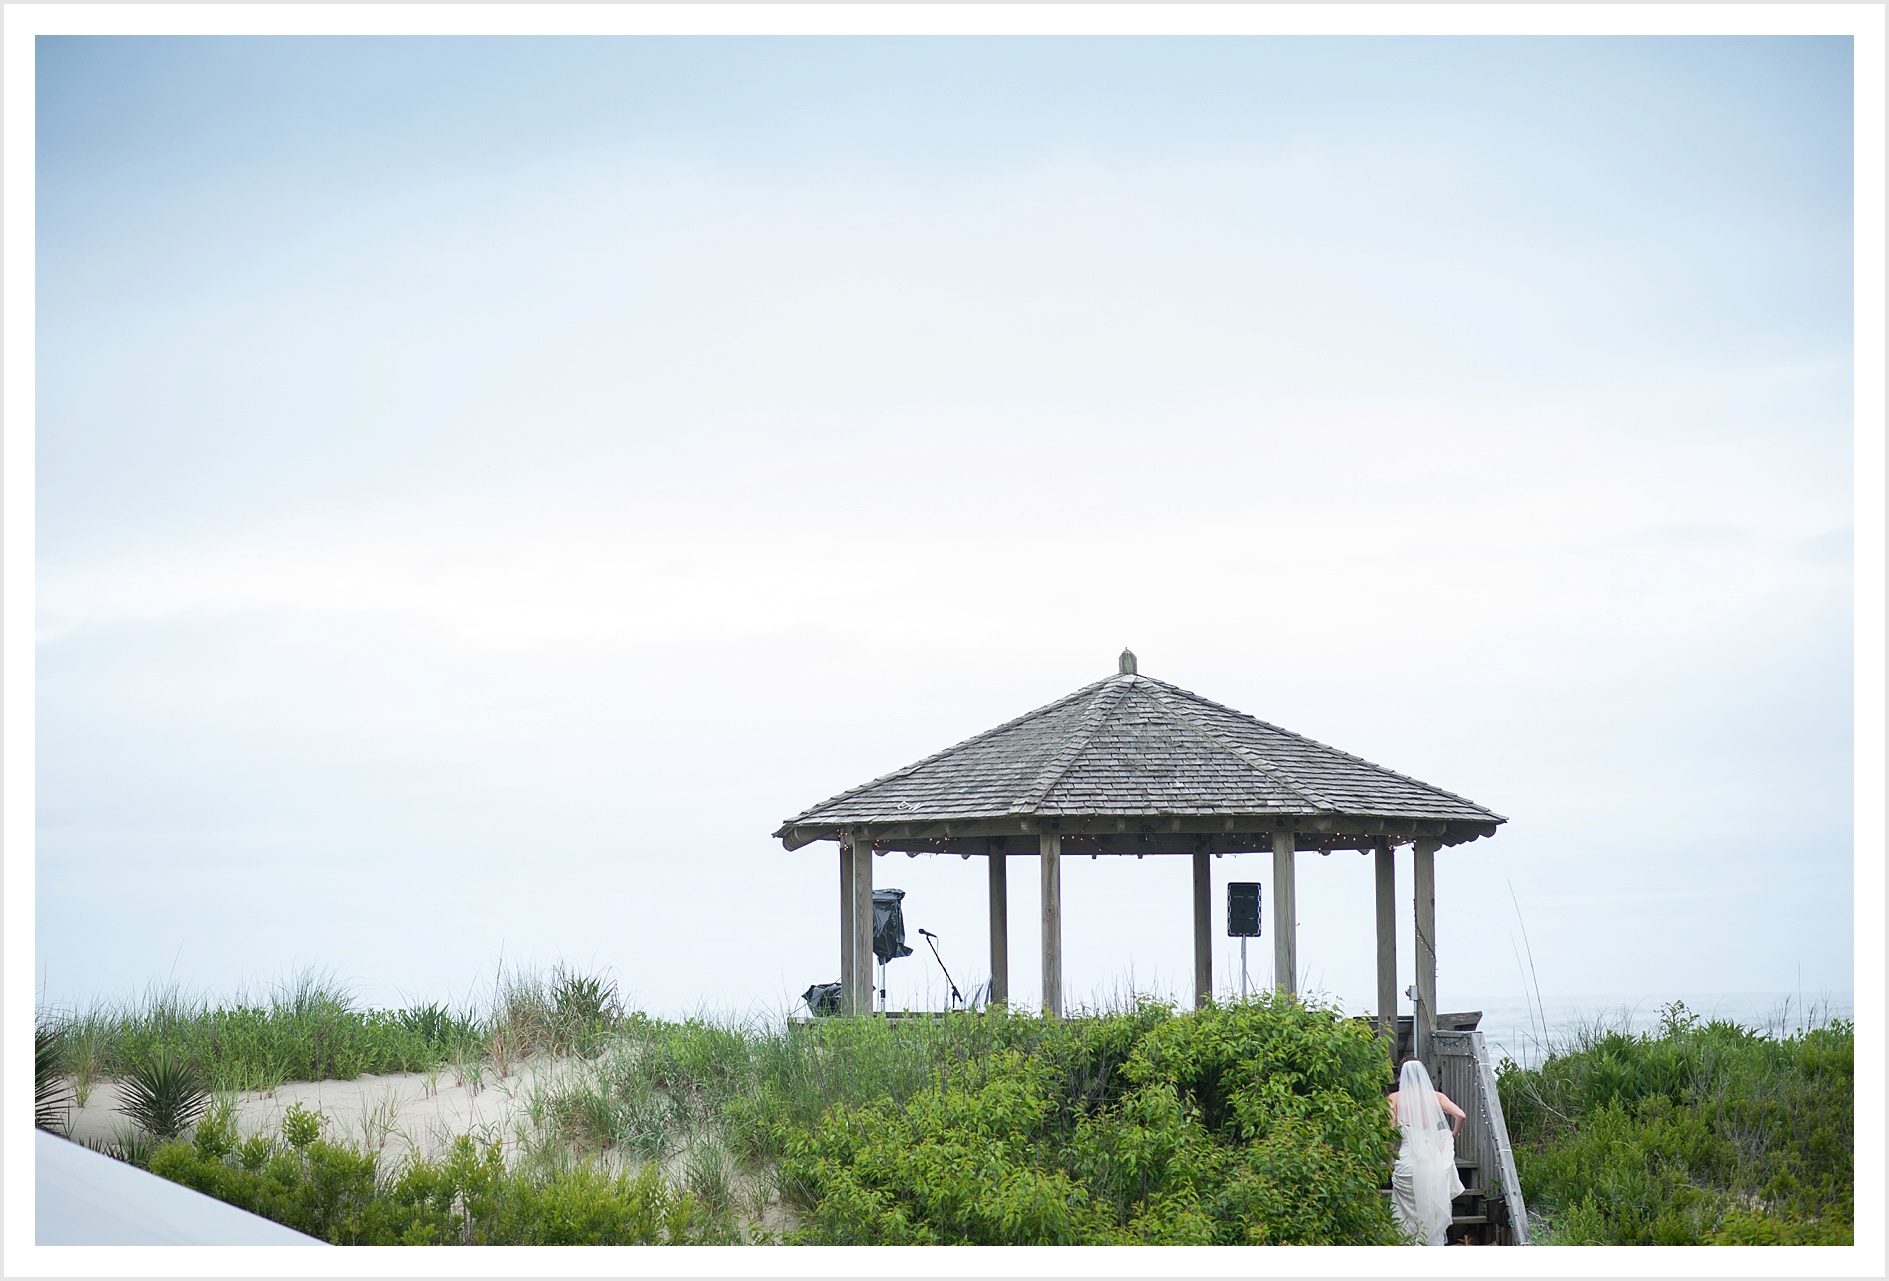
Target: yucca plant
[164, 1094]
[52, 1096]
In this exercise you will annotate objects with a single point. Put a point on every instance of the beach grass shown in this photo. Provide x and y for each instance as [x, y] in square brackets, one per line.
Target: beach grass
[312, 1028]
[308, 1029]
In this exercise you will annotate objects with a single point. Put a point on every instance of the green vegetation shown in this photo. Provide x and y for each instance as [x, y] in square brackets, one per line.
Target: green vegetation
[1257, 1122]
[312, 1029]
[1700, 1133]
[164, 1094]
[52, 1097]
[345, 1197]
[1254, 1123]
[1260, 1123]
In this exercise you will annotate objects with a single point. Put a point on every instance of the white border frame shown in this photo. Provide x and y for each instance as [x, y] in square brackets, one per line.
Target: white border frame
[23, 22]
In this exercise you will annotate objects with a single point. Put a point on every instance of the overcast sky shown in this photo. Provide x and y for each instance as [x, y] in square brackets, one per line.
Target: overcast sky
[486, 484]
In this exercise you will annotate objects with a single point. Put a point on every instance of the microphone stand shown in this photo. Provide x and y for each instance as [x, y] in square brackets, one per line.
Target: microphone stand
[957, 998]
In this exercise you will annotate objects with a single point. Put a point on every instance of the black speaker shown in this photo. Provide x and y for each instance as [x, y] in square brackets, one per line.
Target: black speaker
[1243, 909]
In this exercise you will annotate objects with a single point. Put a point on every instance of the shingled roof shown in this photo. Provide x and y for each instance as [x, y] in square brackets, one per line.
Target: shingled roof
[1134, 764]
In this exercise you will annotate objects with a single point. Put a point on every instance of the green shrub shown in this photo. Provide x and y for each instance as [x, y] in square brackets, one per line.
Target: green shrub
[1701, 1133]
[1258, 1123]
[339, 1195]
[301, 1127]
[215, 1136]
[252, 1152]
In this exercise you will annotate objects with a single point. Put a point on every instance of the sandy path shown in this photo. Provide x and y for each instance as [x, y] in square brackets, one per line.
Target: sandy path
[398, 1114]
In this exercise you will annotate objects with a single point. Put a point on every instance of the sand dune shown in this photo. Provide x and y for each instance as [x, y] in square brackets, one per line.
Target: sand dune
[398, 1114]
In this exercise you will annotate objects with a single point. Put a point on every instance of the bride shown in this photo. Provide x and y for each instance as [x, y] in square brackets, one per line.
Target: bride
[1424, 1180]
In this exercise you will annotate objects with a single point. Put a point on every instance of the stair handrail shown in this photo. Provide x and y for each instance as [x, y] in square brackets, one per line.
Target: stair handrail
[1496, 1134]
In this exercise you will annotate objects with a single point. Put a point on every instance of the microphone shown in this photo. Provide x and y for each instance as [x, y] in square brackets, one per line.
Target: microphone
[928, 934]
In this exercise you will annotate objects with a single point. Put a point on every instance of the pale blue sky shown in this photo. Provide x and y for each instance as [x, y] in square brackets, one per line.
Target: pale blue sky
[486, 484]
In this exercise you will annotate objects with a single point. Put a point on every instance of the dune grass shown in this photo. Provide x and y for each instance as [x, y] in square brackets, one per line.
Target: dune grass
[312, 1028]
[1697, 1133]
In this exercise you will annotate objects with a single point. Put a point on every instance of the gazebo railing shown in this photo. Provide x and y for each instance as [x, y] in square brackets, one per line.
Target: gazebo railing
[1466, 1075]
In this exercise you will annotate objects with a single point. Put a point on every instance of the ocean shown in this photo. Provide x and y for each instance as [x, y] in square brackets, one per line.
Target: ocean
[1525, 1031]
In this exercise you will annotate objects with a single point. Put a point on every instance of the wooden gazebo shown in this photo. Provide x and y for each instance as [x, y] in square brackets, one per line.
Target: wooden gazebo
[1133, 765]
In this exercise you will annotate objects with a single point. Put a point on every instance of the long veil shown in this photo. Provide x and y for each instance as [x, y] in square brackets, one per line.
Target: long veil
[1429, 1155]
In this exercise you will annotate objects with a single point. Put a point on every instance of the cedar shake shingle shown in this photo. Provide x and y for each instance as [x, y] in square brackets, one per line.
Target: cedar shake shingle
[1131, 746]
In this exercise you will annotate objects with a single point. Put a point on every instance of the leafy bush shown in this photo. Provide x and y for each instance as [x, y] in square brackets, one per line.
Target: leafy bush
[338, 1194]
[301, 1127]
[215, 1136]
[1706, 1132]
[1257, 1123]
[164, 1094]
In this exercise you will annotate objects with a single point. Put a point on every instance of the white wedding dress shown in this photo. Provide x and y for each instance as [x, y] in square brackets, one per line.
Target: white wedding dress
[1424, 1180]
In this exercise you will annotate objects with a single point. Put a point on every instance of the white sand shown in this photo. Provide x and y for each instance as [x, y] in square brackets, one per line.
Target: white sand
[397, 1114]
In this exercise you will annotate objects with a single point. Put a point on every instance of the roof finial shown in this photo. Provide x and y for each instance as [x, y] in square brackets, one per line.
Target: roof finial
[1127, 663]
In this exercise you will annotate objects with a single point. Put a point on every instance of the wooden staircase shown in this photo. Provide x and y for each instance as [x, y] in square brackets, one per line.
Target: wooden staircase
[1490, 1211]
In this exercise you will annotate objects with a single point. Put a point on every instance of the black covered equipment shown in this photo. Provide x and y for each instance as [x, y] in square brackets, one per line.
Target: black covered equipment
[888, 925]
[823, 998]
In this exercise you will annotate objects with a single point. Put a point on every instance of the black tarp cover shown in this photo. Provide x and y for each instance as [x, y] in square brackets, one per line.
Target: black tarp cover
[888, 925]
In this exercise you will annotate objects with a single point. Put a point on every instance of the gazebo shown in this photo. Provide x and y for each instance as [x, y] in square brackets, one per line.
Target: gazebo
[1133, 765]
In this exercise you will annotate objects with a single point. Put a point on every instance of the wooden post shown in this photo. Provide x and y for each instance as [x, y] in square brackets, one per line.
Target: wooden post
[1203, 929]
[999, 923]
[1285, 931]
[846, 923]
[862, 926]
[1051, 850]
[1387, 941]
[1424, 1024]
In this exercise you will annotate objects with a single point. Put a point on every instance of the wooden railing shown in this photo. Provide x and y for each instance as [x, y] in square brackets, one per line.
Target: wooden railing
[1465, 1073]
